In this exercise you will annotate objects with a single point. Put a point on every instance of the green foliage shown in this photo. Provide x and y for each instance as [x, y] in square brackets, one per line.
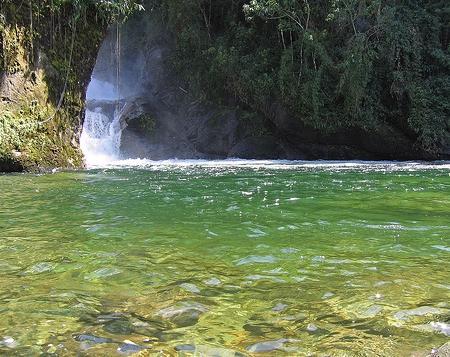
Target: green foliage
[332, 63]
[108, 9]
[145, 123]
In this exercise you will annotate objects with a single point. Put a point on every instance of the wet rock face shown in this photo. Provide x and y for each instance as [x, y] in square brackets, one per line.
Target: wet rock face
[262, 147]
[160, 118]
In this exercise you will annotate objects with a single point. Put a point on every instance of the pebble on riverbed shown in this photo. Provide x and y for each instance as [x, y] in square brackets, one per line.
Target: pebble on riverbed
[404, 315]
[443, 351]
[279, 307]
[184, 313]
[92, 339]
[192, 288]
[213, 282]
[204, 350]
[9, 342]
[129, 347]
[252, 259]
[270, 346]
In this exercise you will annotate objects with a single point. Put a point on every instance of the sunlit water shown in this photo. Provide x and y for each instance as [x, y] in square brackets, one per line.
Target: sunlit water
[224, 259]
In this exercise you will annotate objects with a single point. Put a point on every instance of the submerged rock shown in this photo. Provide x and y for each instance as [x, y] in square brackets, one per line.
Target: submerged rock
[443, 351]
[210, 351]
[258, 277]
[102, 273]
[129, 347]
[279, 307]
[371, 311]
[269, 346]
[185, 348]
[190, 287]
[119, 327]
[184, 313]
[297, 317]
[256, 259]
[213, 282]
[327, 295]
[441, 327]
[433, 327]
[420, 311]
[110, 317]
[9, 342]
[42, 267]
[92, 339]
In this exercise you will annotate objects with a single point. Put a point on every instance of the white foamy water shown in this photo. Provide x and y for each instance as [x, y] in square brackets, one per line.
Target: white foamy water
[276, 164]
[101, 135]
[100, 139]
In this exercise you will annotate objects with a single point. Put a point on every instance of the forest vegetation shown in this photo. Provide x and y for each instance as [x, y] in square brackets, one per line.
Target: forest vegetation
[331, 64]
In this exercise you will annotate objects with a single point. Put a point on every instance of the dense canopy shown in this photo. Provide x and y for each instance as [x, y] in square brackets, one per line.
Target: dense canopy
[332, 63]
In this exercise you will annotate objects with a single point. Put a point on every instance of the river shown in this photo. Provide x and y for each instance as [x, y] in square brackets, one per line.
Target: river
[226, 258]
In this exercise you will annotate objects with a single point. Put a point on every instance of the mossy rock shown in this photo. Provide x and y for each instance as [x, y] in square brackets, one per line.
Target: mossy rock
[144, 124]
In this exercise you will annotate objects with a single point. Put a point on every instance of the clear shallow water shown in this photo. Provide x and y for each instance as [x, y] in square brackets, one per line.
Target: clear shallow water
[215, 257]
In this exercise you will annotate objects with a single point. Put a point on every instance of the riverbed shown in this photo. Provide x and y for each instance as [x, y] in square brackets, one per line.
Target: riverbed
[227, 257]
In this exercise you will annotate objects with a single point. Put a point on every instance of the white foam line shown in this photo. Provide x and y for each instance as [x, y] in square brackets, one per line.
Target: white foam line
[276, 164]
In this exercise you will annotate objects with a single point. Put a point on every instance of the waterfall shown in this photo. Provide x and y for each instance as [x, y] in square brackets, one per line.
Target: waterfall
[136, 107]
[102, 127]
[100, 139]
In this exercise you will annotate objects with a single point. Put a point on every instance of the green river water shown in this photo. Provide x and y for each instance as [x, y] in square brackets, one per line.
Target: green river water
[226, 260]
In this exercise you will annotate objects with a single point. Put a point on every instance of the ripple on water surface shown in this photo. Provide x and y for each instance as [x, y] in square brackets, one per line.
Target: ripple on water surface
[228, 258]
